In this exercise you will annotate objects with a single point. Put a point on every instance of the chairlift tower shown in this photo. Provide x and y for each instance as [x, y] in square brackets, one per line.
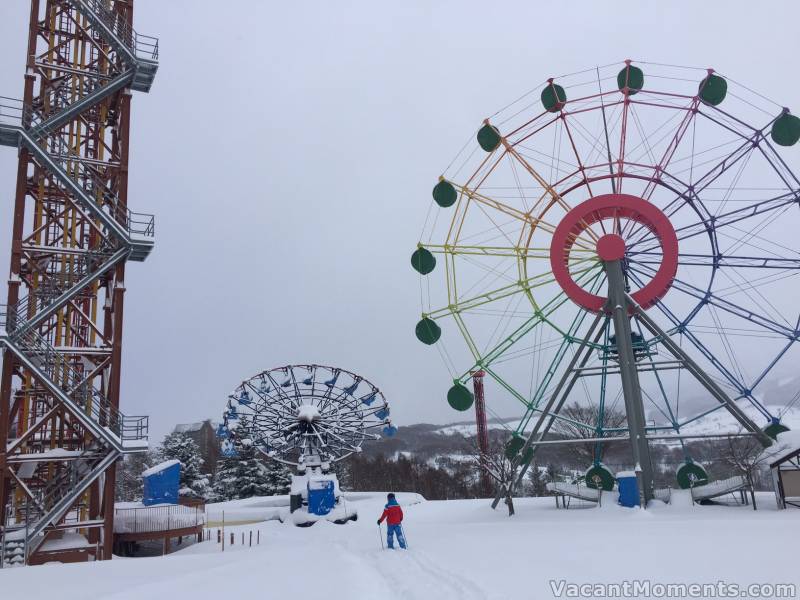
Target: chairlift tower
[61, 428]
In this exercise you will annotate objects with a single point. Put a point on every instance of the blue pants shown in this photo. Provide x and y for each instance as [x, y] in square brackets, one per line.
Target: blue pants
[395, 530]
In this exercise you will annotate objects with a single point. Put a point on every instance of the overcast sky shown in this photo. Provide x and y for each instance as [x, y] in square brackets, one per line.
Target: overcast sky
[288, 150]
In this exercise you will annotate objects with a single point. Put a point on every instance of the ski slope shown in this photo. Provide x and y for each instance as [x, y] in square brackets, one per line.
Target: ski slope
[458, 550]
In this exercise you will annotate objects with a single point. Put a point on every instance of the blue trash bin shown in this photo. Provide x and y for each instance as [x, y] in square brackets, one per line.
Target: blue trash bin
[628, 489]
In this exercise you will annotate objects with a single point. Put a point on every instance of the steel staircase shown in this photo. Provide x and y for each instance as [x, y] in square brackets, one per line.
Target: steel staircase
[122, 235]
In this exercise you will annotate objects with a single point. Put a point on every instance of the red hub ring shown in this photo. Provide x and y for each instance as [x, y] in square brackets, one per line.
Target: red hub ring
[612, 246]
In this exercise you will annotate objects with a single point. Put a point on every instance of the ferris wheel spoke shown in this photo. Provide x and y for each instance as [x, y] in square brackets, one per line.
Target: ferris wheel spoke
[282, 396]
[517, 287]
[672, 148]
[775, 160]
[762, 207]
[690, 192]
[267, 399]
[581, 166]
[682, 326]
[719, 260]
[524, 217]
[540, 317]
[623, 134]
[555, 197]
[331, 433]
[708, 297]
[501, 251]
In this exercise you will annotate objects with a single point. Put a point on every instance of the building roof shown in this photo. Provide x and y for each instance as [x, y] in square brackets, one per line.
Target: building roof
[190, 427]
[787, 447]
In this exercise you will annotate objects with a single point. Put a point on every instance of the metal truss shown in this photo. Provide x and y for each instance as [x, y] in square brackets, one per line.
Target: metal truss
[60, 424]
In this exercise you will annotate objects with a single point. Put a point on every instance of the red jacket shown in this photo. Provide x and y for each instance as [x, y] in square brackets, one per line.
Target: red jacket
[393, 514]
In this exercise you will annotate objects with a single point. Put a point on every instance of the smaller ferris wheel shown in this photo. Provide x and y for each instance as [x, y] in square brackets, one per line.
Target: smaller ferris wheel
[305, 415]
[308, 416]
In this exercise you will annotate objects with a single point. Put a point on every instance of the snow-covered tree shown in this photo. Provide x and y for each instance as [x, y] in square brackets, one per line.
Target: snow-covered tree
[193, 483]
[246, 475]
[278, 478]
[129, 475]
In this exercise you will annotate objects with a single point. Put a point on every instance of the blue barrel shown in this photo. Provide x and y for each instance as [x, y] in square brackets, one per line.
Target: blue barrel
[628, 489]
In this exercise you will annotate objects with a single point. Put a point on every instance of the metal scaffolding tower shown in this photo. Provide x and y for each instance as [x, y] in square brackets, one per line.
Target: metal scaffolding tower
[482, 431]
[72, 233]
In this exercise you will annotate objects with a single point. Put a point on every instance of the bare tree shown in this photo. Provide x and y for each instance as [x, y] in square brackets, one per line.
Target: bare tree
[746, 455]
[584, 454]
[497, 468]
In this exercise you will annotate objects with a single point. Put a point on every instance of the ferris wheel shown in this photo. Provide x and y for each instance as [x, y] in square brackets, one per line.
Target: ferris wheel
[680, 177]
[305, 415]
[308, 416]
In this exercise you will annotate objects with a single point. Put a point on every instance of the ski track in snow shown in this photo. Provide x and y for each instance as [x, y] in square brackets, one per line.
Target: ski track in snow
[410, 575]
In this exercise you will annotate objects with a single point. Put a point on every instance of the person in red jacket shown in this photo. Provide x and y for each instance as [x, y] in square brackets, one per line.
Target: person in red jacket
[394, 519]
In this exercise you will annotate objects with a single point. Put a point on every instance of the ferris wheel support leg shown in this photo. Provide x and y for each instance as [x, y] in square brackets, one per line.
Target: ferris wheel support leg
[552, 407]
[705, 380]
[618, 306]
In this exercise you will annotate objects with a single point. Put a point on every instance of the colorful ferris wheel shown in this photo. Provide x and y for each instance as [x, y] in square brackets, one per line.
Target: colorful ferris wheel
[660, 191]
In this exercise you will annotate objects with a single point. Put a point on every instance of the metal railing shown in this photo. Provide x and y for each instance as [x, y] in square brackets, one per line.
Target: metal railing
[150, 519]
[142, 46]
[84, 175]
[11, 111]
[76, 386]
[141, 224]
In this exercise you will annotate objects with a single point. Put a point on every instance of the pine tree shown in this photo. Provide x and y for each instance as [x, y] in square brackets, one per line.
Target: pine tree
[129, 487]
[246, 475]
[193, 483]
[278, 478]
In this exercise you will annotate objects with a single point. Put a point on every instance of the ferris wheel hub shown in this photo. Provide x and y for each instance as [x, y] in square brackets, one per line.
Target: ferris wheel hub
[308, 413]
[611, 247]
[631, 219]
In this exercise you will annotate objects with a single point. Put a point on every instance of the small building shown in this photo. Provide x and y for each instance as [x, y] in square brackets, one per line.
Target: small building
[204, 434]
[161, 483]
[785, 469]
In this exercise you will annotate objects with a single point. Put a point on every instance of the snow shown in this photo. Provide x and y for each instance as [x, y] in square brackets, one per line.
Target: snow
[67, 542]
[457, 549]
[160, 467]
[308, 413]
[470, 429]
[719, 487]
[53, 454]
[787, 443]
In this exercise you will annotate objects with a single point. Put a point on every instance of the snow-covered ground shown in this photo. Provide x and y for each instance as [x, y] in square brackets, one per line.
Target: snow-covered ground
[458, 549]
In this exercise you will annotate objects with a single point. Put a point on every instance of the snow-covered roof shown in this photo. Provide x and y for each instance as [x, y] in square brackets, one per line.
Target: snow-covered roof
[189, 427]
[160, 467]
[787, 445]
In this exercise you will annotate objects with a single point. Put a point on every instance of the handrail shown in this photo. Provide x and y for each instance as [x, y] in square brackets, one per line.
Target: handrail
[142, 46]
[151, 519]
[74, 384]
